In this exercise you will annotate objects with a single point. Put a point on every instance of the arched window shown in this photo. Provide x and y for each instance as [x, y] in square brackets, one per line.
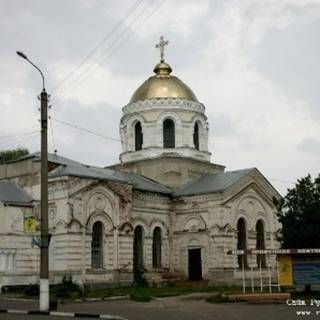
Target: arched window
[168, 134]
[97, 245]
[242, 243]
[196, 136]
[156, 248]
[138, 249]
[261, 258]
[138, 136]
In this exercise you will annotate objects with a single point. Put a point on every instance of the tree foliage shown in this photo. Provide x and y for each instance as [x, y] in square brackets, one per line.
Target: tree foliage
[14, 154]
[299, 214]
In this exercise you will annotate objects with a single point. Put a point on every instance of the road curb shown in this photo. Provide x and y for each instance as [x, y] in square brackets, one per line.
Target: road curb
[260, 297]
[63, 314]
[112, 298]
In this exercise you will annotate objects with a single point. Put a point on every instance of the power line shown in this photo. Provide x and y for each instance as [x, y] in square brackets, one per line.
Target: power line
[77, 83]
[131, 9]
[18, 137]
[85, 130]
[18, 133]
[52, 135]
[119, 141]
[96, 61]
[79, 79]
[21, 140]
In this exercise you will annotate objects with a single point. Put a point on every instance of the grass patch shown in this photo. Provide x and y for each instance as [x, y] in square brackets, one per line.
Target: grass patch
[148, 293]
[67, 290]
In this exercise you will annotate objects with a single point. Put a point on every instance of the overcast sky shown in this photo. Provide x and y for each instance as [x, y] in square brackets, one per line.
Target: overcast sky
[254, 65]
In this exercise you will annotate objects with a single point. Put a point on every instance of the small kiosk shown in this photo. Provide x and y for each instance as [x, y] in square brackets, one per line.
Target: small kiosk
[294, 268]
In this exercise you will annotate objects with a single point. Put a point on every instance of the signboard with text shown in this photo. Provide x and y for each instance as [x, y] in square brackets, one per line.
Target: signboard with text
[31, 223]
[285, 270]
[306, 272]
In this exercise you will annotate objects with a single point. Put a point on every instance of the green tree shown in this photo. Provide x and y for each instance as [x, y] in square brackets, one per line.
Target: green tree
[14, 154]
[299, 214]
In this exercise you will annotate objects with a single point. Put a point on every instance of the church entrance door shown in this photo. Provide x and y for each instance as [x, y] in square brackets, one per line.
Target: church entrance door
[138, 255]
[195, 268]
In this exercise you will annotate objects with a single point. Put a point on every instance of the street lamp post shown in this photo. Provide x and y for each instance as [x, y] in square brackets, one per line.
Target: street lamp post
[44, 265]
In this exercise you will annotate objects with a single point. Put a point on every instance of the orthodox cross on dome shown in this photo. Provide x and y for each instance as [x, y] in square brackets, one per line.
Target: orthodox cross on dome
[162, 43]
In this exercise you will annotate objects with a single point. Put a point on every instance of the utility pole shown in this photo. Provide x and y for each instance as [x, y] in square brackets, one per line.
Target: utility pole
[44, 257]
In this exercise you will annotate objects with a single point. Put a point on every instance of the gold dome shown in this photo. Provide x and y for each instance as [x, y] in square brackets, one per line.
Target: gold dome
[163, 85]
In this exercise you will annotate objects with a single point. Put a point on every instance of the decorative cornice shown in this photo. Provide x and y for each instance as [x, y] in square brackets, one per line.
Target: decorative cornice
[168, 103]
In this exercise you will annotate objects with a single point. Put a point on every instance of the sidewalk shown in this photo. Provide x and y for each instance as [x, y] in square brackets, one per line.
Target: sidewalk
[18, 304]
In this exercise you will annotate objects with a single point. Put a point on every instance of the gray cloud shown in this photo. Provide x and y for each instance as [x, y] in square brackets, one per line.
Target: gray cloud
[289, 57]
[310, 145]
[221, 125]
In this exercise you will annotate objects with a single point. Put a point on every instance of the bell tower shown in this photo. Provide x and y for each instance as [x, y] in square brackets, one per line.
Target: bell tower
[164, 117]
[164, 129]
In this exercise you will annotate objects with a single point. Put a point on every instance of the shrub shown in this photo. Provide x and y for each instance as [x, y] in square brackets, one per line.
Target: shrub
[67, 288]
[32, 290]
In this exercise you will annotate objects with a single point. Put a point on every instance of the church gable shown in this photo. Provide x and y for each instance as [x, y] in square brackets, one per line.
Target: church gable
[193, 223]
[255, 183]
[100, 203]
[252, 205]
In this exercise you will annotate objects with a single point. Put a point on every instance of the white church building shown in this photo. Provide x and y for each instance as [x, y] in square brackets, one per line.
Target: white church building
[165, 211]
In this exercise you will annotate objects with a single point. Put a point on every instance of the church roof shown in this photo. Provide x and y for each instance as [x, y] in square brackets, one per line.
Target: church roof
[212, 183]
[209, 183]
[10, 193]
[137, 181]
[52, 157]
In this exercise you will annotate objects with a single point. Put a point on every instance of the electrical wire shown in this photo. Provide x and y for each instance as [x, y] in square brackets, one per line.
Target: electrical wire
[52, 135]
[85, 130]
[79, 79]
[119, 141]
[130, 11]
[87, 73]
[18, 137]
[18, 133]
[21, 140]
[108, 48]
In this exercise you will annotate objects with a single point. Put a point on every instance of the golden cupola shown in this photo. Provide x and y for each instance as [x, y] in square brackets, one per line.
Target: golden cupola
[163, 119]
[163, 85]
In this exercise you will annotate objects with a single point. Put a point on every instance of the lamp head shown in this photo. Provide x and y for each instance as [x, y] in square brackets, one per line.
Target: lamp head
[22, 55]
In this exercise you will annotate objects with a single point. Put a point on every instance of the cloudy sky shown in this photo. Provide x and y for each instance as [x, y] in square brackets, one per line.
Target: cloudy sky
[254, 64]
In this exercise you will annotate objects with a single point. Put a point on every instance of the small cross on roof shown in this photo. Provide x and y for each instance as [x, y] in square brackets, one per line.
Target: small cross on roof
[162, 43]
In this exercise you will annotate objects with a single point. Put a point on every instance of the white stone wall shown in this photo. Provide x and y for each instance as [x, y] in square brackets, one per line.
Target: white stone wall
[208, 222]
[7, 259]
[151, 114]
[151, 211]
[79, 205]
[19, 257]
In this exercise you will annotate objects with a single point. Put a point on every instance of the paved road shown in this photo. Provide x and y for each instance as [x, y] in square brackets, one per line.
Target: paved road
[32, 317]
[176, 309]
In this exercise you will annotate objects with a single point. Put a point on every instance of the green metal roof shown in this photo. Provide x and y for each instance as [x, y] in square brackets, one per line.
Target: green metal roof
[10, 193]
[52, 157]
[212, 183]
[137, 181]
